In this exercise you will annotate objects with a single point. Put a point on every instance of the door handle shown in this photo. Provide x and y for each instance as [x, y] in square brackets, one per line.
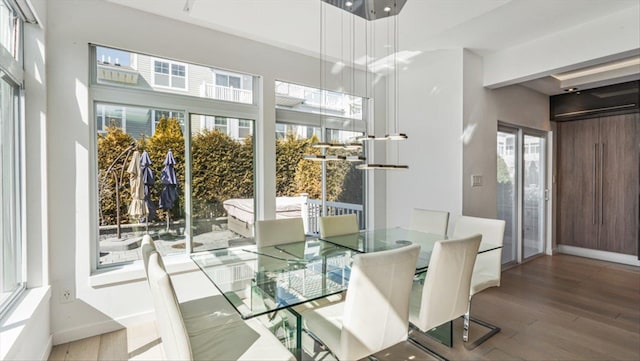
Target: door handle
[593, 180]
[601, 183]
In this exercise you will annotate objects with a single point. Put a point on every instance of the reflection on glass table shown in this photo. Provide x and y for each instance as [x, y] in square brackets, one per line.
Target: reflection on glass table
[390, 238]
[261, 282]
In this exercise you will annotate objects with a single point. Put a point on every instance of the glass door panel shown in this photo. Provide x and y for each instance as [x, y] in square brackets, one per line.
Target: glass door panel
[534, 195]
[506, 190]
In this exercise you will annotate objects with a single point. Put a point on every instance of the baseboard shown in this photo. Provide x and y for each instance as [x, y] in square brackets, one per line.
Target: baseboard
[600, 255]
[99, 328]
[47, 350]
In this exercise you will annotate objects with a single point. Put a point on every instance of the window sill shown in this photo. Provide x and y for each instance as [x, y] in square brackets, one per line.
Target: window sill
[106, 277]
[13, 325]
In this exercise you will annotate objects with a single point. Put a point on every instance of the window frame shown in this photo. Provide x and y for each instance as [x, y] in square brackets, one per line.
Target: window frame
[169, 74]
[181, 102]
[12, 70]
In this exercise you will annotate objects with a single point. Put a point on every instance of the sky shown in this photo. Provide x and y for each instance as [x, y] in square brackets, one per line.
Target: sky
[122, 56]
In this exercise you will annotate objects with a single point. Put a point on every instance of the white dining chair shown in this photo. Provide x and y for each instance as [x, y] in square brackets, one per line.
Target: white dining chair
[429, 221]
[375, 313]
[444, 296]
[488, 268]
[338, 225]
[279, 231]
[146, 248]
[201, 339]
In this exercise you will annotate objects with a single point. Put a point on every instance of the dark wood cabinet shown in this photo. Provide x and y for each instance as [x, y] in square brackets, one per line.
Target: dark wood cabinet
[598, 183]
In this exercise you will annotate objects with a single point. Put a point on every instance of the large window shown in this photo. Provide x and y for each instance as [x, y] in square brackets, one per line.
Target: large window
[121, 68]
[313, 100]
[12, 265]
[222, 174]
[149, 156]
[298, 128]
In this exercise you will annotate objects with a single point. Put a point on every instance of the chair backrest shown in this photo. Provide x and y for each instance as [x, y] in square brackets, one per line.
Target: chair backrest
[175, 339]
[445, 295]
[338, 225]
[279, 231]
[429, 221]
[376, 310]
[492, 231]
[147, 247]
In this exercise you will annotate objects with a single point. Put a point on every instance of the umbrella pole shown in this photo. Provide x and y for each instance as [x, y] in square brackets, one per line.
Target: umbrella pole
[167, 221]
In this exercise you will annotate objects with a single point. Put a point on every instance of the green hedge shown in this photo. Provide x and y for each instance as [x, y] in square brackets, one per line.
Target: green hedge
[222, 168]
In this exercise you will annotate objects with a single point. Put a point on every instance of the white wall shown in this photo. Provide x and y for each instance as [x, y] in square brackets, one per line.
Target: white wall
[451, 121]
[430, 107]
[483, 108]
[70, 148]
[607, 38]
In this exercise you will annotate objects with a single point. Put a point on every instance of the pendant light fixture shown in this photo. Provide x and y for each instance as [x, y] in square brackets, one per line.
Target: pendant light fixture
[323, 145]
[372, 10]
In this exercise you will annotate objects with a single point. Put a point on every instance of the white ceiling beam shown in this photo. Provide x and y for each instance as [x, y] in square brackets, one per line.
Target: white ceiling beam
[605, 39]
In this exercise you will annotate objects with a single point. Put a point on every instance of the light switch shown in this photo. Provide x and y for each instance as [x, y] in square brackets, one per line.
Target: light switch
[476, 180]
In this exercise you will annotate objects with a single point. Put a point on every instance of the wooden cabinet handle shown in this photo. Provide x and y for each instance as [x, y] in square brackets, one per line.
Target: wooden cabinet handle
[593, 180]
[601, 183]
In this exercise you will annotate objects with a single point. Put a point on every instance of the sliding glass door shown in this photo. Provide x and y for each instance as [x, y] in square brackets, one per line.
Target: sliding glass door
[507, 190]
[533, 200]
[521, 191]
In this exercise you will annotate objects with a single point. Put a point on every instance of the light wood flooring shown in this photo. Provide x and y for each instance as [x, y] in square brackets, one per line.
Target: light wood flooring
[552, 308]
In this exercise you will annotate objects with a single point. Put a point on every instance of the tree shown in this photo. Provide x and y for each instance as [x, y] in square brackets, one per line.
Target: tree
[222, 168]
[289, 152]
[503, 171]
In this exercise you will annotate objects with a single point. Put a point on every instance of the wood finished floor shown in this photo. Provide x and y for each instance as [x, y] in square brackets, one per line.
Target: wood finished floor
[552, 308]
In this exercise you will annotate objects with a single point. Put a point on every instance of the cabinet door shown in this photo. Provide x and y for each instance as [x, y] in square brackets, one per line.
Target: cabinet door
[577, 153]
[618, 203]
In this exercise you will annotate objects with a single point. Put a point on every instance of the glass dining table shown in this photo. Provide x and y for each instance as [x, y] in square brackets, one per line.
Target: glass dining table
[270, 281]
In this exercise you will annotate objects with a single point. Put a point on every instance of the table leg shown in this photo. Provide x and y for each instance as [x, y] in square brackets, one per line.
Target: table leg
[298, 353]
[442, 334]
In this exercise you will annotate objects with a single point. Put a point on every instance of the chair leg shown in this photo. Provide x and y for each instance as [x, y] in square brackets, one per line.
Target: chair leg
[492, 331]
[426, 349]
[465, 332]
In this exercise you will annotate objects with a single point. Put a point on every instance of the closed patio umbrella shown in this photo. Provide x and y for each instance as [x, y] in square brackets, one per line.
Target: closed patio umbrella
[148, 181]
[138, 207]
[169, 193]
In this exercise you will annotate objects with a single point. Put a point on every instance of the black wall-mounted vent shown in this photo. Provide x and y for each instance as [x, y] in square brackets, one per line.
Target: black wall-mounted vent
[613, 99]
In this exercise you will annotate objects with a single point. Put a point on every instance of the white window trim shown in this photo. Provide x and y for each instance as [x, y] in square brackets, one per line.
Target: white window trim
[171, 63]
[107, 94]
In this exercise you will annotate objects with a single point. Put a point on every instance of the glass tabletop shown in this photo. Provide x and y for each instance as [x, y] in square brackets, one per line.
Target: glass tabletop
[259, 281]
[390, 238]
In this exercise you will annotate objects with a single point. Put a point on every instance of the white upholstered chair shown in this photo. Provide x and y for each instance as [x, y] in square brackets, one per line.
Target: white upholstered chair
[272, 233]
[338, 225]
[201, 338]
[147, 247]
[488, 268]
[375, 313]
[279, 231]
[429, 221]
[444, 295]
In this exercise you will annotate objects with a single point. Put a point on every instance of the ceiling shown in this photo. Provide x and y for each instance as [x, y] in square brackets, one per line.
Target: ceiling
[483, 26]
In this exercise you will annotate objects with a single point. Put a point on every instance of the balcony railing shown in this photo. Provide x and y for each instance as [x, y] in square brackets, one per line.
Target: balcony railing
[333, 209]
[228, 93]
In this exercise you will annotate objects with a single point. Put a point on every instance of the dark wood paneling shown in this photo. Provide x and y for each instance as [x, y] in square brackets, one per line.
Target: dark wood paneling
[614, 99]
[599, 183]
[577, 162]
[620, 137]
